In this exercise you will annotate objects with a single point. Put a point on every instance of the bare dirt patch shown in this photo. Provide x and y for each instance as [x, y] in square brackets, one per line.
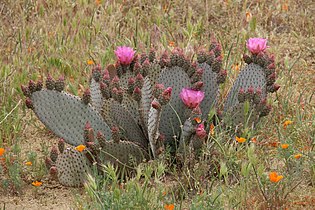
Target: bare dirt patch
[51, 195]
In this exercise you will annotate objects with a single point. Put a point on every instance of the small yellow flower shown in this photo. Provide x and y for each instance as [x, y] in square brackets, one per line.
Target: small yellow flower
[2, 151]
[80, 148]
[240, 139]
[286, 123]
[29, 163]
[274, 177]
[90, 62]
[284, 146]
[37, 183]
[297, 156]
[169, 206]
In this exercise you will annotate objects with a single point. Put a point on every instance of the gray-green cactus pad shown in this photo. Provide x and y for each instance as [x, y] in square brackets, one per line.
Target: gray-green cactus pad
[72, 167]
[153, 128]
[96, 95]
[146, 100]
[125, 120]
[66, 115]
[210, 88]
[252, 75]
[124, 153]
[178, 79]
[131, 105]
[236, 116]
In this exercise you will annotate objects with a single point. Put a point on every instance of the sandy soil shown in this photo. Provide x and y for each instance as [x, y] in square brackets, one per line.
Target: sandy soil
[50, 195]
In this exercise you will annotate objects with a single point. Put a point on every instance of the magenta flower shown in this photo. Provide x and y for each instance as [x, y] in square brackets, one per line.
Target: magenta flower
[200, 131]
[191, 98]
[124, 54]
[256, 45]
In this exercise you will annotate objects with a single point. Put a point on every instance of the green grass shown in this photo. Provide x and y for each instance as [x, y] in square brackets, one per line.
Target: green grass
[59, 37]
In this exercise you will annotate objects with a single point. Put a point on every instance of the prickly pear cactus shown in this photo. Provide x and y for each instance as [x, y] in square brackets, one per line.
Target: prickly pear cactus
[135, 108]
[247, 100]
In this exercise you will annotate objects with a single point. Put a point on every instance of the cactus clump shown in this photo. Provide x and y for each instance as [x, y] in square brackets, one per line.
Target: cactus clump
[148, 103]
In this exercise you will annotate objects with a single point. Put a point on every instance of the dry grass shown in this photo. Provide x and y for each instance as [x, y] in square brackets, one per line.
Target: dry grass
[58, 37]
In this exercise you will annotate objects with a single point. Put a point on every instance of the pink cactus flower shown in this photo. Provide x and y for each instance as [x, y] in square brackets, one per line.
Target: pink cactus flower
[256, 45]
[191, 98]
[200, 131]
[124, 55]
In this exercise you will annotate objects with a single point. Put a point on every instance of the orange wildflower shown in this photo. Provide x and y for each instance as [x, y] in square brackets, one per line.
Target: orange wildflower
[286, 123]
[248, 16]
[297, 156]
[90, 62]
[80, 148]
[254, 140]
[212, 129]
[171, 43]
[274, 177]
[285, 6]
[240, 139]
[2, 151]
[197, 119]
[236, 67]
[284, 146]
[164, 193]
[98, 2]
[169, 206]
[274, 144]
[29, 163]
[37, 183]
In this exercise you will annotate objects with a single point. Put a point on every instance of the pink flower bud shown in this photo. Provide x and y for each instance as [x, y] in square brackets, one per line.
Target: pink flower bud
[156, 105]
[200, 131]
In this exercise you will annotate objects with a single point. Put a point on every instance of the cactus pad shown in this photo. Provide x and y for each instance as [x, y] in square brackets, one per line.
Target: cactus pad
[72, 167]
[125, 120]
[96, 95]
[66, 115]
[178, 79]
[210, 88]
[124, 153]
[252, 75]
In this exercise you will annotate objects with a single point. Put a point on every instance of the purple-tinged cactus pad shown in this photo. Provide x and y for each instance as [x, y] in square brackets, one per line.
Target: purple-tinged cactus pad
[66, 115]
[72, 168]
